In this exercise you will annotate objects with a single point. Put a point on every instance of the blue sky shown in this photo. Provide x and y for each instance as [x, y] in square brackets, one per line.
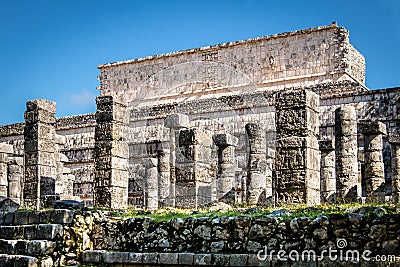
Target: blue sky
[51, 49]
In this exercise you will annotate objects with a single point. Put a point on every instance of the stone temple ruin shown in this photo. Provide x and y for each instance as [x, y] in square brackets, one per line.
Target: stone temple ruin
[281, 119]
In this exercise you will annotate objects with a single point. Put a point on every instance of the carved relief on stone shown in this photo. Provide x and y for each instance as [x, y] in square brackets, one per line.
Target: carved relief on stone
[291, 122]
[291, 159]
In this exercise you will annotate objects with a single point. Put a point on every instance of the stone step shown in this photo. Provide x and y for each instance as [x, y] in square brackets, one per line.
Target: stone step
[114, 258]
[31, 232]
[27, 247]
[17, 260]
[58, 216]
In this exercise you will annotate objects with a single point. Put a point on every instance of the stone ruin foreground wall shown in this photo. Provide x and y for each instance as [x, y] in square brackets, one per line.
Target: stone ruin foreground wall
[232, 95]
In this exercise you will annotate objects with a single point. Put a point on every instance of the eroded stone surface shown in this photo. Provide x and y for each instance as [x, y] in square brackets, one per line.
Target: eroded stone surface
[297, 151]
[374, 167]
[193, 169]
[328, 175]
[348, 186]
[39, 146]
[225, 180]
[111, 154]
[256, 183]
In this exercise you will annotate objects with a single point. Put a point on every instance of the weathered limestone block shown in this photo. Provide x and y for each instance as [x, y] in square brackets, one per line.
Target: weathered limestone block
[328, 177]
[175, 122]
[60, 140]
[374, 168]
[348, 185]
[257, 186]
[111, 109]
[111, 153]
[151, 183]
[394, 140]
[6, 148]
[193, 168]
[297, 150]
[226, 167]
[39, 148]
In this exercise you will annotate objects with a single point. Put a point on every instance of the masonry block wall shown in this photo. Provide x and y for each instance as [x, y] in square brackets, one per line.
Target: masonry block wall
[302, 58]
[39, 146]
[111, 154]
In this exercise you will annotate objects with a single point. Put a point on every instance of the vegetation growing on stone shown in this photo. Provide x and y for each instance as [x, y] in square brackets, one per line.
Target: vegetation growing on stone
[285, 212]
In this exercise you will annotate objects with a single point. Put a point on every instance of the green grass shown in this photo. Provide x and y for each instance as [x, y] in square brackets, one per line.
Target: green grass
[296, 212]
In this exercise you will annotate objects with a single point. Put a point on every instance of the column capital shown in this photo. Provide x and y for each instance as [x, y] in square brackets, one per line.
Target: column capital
[176, 121]
[368, 127]
[225, 139]
[44, 104]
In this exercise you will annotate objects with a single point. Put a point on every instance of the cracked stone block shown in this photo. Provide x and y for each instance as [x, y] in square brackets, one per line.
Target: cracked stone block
[49, 231]
[40, 247]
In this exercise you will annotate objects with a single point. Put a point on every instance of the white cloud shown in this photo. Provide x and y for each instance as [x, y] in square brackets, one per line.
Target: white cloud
[82, 99]
[75, 103]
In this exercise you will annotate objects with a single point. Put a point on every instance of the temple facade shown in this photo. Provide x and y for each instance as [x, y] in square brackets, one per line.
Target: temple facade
[280, 119]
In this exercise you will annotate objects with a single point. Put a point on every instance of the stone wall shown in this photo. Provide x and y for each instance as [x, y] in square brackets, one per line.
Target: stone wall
[244, 236]
[300, 58]
[67, 238]
[227, 114]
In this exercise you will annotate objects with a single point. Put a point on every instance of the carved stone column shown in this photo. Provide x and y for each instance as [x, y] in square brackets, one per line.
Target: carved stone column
[164, 182]
[394, 140]
[328, 177]
[3, 174]
[39, 149]
[151, 184]
[348, 185]
[297, 151]
[15, 178]
[174, 122]
[256, 173]
[111, 153]
[11, 173]
[374, 168]
[226, 167]
[193, 168]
